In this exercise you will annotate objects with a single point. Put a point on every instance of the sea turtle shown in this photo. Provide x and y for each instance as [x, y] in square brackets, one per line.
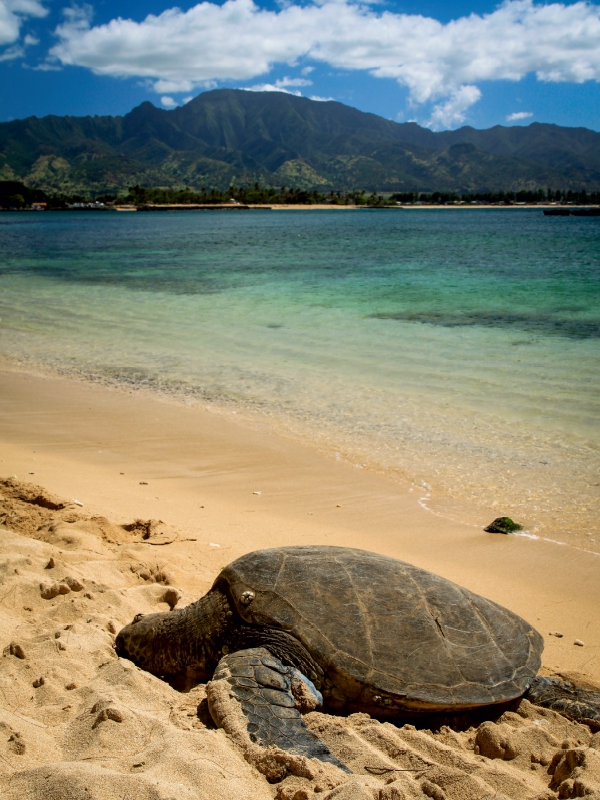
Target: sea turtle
[289, 629]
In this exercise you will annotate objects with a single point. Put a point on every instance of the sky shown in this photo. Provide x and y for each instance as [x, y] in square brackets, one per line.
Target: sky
[441, 64]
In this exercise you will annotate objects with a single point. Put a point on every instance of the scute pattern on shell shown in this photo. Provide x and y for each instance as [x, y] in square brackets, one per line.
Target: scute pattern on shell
[391, 636]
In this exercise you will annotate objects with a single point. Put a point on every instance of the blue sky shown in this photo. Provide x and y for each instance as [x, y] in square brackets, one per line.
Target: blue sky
[442, 64]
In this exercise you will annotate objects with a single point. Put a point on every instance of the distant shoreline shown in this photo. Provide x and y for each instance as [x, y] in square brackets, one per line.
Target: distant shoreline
[312, 207]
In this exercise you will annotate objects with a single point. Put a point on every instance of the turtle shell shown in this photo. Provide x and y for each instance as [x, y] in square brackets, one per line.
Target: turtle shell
[386, 633]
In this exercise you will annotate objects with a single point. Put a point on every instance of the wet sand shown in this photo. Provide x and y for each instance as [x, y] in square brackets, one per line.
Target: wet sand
[222, 487]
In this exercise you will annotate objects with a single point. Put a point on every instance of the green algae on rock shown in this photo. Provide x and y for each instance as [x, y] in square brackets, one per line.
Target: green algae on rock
[503, 525]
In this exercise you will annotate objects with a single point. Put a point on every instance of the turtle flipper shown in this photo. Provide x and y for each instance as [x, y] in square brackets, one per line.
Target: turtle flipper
[250, 696]
[573, 701]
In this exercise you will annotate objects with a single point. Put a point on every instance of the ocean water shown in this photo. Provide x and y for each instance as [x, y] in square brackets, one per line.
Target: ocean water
[458, 349]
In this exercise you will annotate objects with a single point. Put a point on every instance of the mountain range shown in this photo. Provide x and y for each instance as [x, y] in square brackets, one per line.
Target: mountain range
[233, 137]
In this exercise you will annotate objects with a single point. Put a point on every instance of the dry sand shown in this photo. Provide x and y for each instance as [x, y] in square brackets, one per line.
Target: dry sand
[76, 722]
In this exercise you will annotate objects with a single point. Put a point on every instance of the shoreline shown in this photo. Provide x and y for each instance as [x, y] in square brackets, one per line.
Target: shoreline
[311, 207]
[464, 495]
[235, 485]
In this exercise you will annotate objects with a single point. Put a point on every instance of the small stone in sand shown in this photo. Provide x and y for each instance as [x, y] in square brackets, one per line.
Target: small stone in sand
[143, 483]
[16, 650]
[256, 492]
[70, 686]
[73, 584]
[108, 713]
[51, 590]
[51, 564]
[111, 627]
[38, 682]
[578, 642]
[556, 633]
[17, 743]
[78, 502]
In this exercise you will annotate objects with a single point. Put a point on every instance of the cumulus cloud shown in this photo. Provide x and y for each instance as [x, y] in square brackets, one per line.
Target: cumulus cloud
[168, 102]
[452, 112]
[12, 15]
[519, 115]
[438, 62]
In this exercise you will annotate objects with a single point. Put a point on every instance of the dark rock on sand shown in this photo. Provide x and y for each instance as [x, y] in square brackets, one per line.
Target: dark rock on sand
[503, 525]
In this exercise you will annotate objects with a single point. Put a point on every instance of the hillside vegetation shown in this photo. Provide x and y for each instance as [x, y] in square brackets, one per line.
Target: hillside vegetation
[233, 137]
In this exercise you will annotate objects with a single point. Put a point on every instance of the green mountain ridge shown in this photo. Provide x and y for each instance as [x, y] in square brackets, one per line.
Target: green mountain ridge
[231, 136]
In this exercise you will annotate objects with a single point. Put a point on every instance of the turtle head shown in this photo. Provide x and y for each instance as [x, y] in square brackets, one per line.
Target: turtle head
[183, 642]
[145, 642]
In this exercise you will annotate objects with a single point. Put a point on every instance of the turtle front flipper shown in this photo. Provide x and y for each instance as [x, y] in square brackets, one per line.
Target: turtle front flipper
[573, 701]
[250, 697]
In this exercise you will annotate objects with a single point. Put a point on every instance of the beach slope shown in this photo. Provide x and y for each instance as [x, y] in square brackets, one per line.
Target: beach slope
[124, 504]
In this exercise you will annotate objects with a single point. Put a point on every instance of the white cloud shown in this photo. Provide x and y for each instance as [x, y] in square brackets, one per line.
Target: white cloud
[168, 102]
[452, 112]
[435, 61]
[519, 115]
[173, 86]
[293, 82]
[16, 51]
[321, 99]
[79, 17]
[271, 87]
[281, 86]
[12, 15]
[46, 66]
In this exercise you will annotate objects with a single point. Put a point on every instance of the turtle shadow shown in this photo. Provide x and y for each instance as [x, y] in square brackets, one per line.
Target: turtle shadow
[457, 721]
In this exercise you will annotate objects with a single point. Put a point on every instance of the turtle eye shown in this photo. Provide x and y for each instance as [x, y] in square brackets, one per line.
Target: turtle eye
[137, 618]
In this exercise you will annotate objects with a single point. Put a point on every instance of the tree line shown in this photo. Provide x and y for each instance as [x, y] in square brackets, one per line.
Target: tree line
[510, 198]
[15, 195]
[253, 194]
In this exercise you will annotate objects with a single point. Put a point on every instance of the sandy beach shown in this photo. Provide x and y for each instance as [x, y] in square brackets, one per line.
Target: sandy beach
[78, 462]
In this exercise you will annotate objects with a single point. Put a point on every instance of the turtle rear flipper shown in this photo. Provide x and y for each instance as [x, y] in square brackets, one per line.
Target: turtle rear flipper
[250, 697]
[573, 701]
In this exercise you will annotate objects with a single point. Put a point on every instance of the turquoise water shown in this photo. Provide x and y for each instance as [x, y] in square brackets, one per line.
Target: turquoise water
[455, 348]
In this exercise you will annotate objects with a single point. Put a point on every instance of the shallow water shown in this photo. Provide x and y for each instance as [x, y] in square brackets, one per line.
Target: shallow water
[455, 348]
